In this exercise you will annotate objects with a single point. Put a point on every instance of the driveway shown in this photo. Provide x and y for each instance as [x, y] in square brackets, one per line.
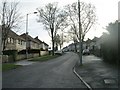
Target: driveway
[56, 73]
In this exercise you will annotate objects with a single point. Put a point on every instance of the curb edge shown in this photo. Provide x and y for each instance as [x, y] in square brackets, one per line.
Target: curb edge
[86, 84]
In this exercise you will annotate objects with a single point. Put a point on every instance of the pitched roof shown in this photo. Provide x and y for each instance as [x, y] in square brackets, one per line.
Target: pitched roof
[14, 35]
[37, 39]
[29, 38]
[95, 39]
[45, 43]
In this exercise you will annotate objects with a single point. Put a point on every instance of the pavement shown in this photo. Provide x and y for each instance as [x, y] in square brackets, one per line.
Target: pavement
[55, 73]
[24, 62]
[97, 73]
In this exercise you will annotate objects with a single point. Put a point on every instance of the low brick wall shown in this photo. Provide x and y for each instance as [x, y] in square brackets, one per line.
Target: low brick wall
[21, 57]
[6, 58]
[44, 53]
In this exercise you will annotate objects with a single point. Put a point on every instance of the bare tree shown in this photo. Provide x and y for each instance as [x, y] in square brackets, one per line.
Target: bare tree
[87, 15]
[59, 40]
[10, 19]
[71, 36]
[53, 20]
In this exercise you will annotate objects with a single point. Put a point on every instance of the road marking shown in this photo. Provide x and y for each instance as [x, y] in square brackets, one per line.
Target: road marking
[88, 86]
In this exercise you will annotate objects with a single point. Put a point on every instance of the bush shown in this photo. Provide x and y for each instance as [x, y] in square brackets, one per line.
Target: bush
[33, 51]
[9, 52]
[41, 49]
[22, 52]
[109, 46]
[29, 51]
[109, 52]
[13, 53]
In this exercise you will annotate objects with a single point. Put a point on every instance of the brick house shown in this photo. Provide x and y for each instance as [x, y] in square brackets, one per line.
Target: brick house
[31, 42]
[45, 46]
[39, 41]
[15, 42]
[42, 45]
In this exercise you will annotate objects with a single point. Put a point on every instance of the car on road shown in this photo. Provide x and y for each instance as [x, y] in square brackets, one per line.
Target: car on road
[86, 52]
[59, 52]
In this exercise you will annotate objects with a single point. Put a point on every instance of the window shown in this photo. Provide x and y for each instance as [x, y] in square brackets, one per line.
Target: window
[21, 42]
[12, 41]
[8, 40]
[18, 41]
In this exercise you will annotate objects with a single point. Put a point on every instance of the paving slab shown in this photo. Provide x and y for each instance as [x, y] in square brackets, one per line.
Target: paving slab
[24, 62]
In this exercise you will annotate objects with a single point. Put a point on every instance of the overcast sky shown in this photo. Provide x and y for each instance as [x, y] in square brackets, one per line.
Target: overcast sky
[106, 11]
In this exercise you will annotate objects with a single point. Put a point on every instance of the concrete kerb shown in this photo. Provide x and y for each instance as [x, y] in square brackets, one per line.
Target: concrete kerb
[85, 83]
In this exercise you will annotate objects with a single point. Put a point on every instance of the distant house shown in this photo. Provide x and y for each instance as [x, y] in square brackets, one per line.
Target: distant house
[39, 41]
[45, 46]
[31, 42]
[15, 42]
[95, 43]
[42, 45]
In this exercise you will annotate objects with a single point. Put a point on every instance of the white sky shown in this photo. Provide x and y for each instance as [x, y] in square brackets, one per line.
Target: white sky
[106, 10]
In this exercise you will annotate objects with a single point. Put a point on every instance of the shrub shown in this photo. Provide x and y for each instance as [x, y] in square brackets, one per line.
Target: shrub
[13, 53]
[29, 51]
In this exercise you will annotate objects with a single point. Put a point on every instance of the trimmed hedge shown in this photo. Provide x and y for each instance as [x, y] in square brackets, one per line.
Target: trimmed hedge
[9, 52]
[29, 51]
[13, 53]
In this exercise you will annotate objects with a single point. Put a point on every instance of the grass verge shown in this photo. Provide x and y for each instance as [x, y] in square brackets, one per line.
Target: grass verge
[9, 66]
[44, 58]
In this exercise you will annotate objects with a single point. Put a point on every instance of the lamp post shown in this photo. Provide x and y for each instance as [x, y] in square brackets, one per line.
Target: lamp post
[80, 32]
[27, 32]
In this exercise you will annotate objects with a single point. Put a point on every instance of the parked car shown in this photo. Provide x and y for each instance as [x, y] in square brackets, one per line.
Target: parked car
[59, 52]
[86, 52]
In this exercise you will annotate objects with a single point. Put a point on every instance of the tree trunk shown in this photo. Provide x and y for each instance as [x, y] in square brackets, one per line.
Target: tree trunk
[75, 46]
[53, 46]
[60, 46]
[53, 49]
[4, 45]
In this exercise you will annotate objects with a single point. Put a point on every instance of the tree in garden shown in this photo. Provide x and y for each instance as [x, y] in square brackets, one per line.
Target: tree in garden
[53, 19]
[59, 40]
[10, 19]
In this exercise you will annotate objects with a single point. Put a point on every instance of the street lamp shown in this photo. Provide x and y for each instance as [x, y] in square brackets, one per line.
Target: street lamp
[27, 32]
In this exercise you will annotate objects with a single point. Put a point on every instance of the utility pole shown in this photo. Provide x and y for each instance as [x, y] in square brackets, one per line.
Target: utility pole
[27, 36]
[1, 45]
[80, 34]
[27, 33]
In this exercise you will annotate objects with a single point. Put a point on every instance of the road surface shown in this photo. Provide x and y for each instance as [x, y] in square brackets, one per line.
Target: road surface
[56, 73]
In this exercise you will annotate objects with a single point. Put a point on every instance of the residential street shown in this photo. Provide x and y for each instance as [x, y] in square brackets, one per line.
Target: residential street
[56, 73]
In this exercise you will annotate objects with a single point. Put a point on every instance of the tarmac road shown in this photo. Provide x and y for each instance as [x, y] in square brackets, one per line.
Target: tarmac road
[56, 73]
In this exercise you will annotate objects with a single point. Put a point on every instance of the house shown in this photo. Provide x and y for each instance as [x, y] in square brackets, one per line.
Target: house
[42, 45]
[15, 42]
[95, 43]
[18, 42]
[45, 46]
[31, 42]
[39, 41]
